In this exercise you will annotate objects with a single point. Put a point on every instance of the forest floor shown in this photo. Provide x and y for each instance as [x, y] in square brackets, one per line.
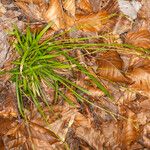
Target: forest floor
[121, 64]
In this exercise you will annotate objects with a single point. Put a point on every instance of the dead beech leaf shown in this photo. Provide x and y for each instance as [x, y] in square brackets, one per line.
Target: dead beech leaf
[85, 6]
[111, 6]
[92, 22]
[69, 5]
[7, 103]
[111, 133]
[145, 136]
[141, 79]
[56, 14]
[29, 136]
[5, 125]
[36, 134]
[130, 129]
[32, 1]
[140, 38]
[127, 97]
[87, 133]
[32, 10]
[110, 67]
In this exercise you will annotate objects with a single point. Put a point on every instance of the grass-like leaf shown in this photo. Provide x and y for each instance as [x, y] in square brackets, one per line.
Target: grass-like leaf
[38, 62]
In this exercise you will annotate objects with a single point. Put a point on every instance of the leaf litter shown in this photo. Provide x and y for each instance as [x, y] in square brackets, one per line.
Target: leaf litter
[121, 64]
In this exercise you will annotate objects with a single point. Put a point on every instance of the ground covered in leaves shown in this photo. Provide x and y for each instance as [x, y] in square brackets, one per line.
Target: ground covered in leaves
[122, 66]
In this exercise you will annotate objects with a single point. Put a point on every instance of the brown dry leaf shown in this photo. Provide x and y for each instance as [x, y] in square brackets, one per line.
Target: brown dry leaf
[28, 136]
[110, 67]
[130, 129]
[111, 6]
[97, 3]
[145, 136]
[144, 12]
[69, 5]
[56, 14]
[87, 133]
[92, 91]
[85, 6]
[123, 25]
[32, 10]
[141, 79]
[127, 96]
[5, 125]
[92, 22]
[140, 38]
[7, 103]
[111, 133]
[36, 134]
[32, 1]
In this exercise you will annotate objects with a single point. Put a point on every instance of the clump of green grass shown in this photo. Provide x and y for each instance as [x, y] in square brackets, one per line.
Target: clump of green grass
[37, 62]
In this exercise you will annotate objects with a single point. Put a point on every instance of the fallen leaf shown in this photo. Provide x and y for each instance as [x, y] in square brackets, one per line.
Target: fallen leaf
[87, 133]
[86, 23]
[130, 129]
[85, 6]
[35, 133]
[8, 106]
[145, 136]
[32, 1]
[140, 38]
[110, 6]
[31, 10]
[141, 79]
[129, 8]
[110, 67]
[69, 5]
[56, 14]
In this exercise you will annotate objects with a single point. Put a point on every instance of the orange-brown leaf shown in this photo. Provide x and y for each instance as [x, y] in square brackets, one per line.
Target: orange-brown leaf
[141, 78]
[69, 5]
[140, 38]
[85, 6]
[110, 67]
[130, 129]
[32, 10]
[92, 22]
[56, 14]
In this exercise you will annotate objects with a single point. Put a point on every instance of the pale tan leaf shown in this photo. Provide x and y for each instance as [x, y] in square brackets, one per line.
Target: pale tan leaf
[110, 67]
[140, 38]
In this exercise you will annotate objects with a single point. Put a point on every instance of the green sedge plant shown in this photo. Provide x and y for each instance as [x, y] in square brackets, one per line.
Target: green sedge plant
[37, 62]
